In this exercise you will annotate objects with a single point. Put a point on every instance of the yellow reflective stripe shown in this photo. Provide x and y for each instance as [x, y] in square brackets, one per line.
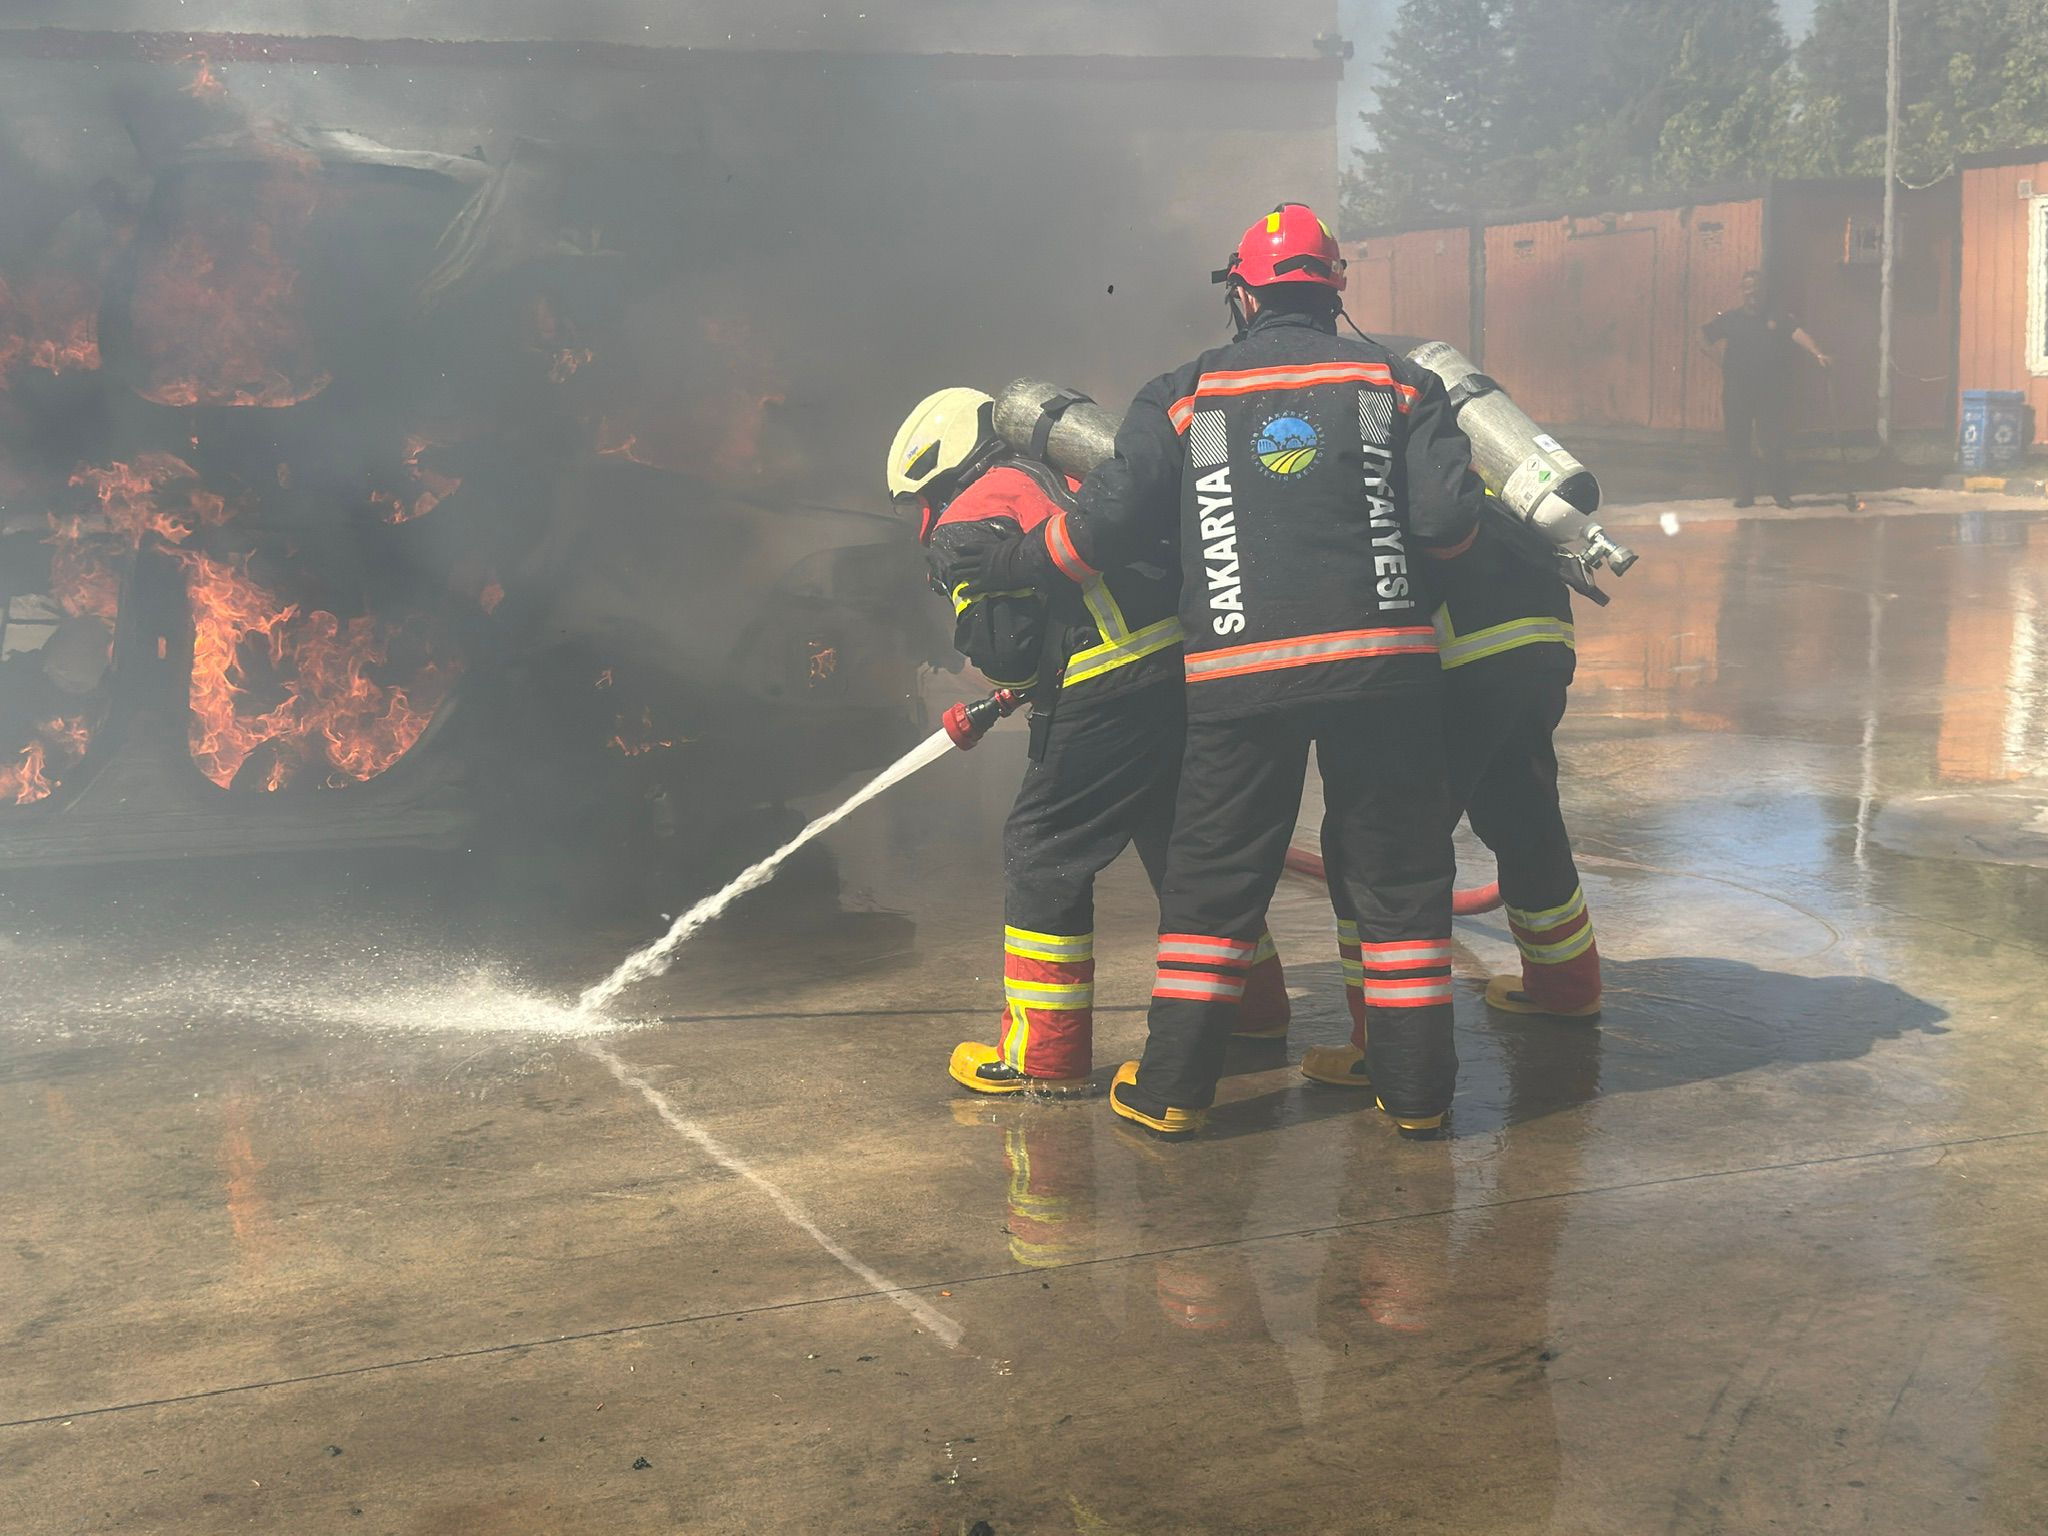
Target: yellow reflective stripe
[1354, 973]
[1551, 917]
[1068, 947]
[1018, 1150]
[961, 602]
[1109, 618]
[1049, 994]
[1015, 687]
[1149, 641]
[1347, 931]
[1558, 953]
[1267, 949]
[1121, 645]
[1017, 1037]
[1456, 650]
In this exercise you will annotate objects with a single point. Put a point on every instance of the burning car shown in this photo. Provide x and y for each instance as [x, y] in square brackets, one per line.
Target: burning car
[343, 502]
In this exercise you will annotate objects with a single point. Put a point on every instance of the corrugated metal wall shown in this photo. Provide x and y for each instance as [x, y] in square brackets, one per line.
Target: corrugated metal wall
[1722, 241]
[1418, 283]
[1837, 299]
[1993, 349]
[1594, 319]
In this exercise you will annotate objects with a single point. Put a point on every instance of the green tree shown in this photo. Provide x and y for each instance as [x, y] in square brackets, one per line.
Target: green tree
[1598, 82]
[1436, 120]
[1973, 76]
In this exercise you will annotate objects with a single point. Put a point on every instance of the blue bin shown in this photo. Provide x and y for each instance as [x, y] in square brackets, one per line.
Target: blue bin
[1994, 428]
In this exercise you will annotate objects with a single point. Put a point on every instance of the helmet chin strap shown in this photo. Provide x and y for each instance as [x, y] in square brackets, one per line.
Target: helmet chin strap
[1233, 300]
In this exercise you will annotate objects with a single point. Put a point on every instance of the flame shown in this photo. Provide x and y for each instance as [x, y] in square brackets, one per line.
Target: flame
[604, 678]
[331, 709]
[83, 578]
[556, 338]
[430, 487]
[205, 84]
[26, 783]
[128, 497]
[634, 738]
[217, 318]
[63, 741]
[616, 442]
[824, 661]
[54, 326]
[492, 595]
[79, 349]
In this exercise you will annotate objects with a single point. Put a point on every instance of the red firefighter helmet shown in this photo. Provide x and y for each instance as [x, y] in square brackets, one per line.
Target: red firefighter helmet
[1288, 245]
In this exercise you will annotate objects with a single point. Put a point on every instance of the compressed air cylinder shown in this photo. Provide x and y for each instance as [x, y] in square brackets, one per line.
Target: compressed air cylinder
[1059, 426]
[1529, 472]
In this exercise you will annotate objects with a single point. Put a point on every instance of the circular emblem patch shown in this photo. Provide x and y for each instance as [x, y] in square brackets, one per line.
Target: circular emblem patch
[1287, 445]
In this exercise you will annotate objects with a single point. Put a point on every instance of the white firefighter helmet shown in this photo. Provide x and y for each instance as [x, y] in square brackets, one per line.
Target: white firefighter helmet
[942, 435]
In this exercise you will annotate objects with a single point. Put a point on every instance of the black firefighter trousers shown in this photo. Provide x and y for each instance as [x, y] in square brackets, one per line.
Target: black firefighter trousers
[1101, 780]
[1387, 841]
[1503, 767]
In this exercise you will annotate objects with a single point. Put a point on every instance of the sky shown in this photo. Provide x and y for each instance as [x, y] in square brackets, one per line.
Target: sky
[1365, 23]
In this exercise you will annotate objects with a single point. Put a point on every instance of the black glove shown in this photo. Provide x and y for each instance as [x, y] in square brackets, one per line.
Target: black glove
[1001, 564]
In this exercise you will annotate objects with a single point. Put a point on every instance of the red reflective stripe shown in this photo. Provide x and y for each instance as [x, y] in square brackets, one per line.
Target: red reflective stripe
[1203, 949]
[1344, 645]
[1060, 545]
[1269, 645]
[1430, 1000]
[1181, 412]
[1198, 986]
[1249, 381]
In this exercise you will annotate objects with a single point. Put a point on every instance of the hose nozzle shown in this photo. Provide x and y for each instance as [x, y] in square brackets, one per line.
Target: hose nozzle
[966, 724]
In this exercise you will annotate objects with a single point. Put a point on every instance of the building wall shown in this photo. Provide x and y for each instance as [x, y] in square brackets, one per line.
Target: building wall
[1417, 283]
[1995, 278]
[1593, 319]
[1837, 300]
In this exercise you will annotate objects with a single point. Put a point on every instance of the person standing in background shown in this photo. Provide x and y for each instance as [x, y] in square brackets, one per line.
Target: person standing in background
[1756, 371]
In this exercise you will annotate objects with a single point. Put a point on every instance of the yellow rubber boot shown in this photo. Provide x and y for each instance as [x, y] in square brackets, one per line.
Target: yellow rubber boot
[1505, 994]
[1172, 1122]
[982, 1068]
[1341, 1066]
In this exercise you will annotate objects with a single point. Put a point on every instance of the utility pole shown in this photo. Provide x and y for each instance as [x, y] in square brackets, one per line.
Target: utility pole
[1888, 252]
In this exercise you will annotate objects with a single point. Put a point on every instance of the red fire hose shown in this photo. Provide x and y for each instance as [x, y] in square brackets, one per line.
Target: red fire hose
[1481, 898]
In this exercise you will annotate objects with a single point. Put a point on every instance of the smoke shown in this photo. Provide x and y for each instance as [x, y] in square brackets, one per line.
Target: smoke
[541, 360]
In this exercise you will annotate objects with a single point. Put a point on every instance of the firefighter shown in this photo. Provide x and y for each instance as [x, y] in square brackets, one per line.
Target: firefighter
[1100, 658]
[1310, 483]
[1505, 641]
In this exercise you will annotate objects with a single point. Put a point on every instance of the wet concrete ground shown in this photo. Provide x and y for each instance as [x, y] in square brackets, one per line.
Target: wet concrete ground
[316, 1220]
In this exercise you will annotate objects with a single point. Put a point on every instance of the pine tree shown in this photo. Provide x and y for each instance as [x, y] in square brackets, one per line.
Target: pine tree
[1437, 119]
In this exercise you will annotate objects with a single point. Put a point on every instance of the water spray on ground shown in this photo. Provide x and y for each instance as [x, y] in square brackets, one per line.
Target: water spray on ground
[654, 959]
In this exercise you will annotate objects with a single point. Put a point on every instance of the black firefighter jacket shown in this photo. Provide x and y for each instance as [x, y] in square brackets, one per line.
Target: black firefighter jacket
[1310, 482]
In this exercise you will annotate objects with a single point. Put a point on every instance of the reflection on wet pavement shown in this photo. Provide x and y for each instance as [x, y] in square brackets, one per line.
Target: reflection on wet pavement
[319, 1206]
